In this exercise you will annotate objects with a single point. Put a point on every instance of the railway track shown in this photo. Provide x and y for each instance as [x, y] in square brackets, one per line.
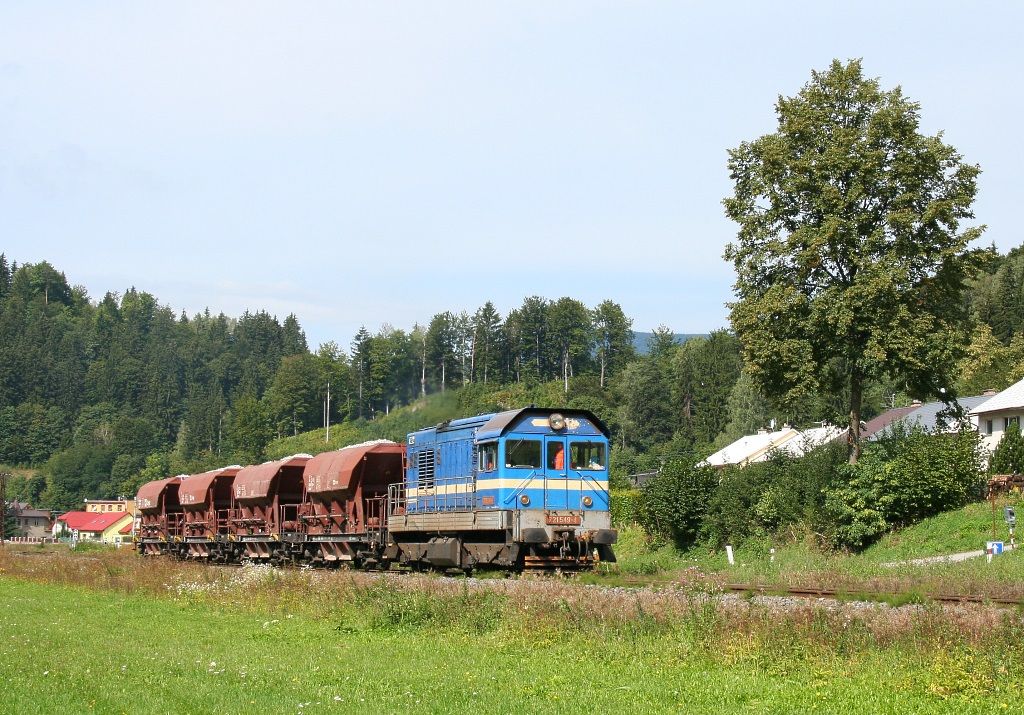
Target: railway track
[841, 594]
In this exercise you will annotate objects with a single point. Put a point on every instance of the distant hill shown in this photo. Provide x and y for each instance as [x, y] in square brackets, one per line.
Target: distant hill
[640, 340]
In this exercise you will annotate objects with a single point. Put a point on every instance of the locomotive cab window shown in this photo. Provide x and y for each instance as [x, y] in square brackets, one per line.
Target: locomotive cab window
[587, 455]
[523, 453]
[488, 457]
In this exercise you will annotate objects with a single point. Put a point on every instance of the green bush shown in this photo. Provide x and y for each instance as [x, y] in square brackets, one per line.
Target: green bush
[625, 507]
[769, 497]
[1009, 455]
[905, 477]
[730, 515]
[676, 501]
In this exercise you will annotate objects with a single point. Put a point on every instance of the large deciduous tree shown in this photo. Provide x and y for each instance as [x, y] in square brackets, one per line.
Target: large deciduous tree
[850, 255]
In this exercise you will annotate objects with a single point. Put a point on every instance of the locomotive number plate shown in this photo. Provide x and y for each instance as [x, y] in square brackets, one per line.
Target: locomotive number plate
[564, 519]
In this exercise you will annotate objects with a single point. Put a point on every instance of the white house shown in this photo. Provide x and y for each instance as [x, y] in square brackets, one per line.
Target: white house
[752, 448]
[810, 439]
[997, 413]
[759, 447]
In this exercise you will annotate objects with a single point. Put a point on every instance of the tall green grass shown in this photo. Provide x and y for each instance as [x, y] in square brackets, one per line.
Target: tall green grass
[396, 647]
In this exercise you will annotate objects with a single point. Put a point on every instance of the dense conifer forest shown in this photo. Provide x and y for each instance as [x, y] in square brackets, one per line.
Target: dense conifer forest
[100, 395]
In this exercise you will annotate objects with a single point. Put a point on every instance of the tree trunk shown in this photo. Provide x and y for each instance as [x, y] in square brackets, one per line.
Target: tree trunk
[565, 370]
[602, 369]
[856, 399]
[423, 369]
[360, 390]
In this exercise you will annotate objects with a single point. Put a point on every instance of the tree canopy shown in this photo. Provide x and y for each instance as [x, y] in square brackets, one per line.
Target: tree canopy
[851, 260]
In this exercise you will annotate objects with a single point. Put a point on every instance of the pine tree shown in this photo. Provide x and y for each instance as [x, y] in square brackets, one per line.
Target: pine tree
[1008, 457]
[613, 333]
[361, 366]
[571, 334]
[486, 341]
[5, 277]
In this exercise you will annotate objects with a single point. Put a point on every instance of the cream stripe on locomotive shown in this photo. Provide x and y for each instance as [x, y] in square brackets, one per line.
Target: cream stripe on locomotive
[539, 483]
[466, 488]
[535, 483]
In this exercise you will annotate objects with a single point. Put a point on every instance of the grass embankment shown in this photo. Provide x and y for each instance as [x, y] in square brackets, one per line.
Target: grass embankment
[109, 632]
[465, 401]
[881, 567]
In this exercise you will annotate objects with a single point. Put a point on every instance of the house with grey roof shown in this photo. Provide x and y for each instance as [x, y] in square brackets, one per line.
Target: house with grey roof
[935, 417]
[998, 412]
[930, 416]
[30, 522]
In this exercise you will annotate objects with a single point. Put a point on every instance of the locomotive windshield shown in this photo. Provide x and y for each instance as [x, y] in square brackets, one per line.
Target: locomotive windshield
[522, 453]
[587, 455]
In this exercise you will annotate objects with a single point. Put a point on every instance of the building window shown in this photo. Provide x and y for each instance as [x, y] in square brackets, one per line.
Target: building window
[988, 426]
[1007, 421]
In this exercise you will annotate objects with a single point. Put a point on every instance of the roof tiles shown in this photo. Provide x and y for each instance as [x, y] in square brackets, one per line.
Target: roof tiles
[92, 521]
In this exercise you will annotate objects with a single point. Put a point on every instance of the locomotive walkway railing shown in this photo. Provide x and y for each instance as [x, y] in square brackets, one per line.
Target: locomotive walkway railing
[443, 494]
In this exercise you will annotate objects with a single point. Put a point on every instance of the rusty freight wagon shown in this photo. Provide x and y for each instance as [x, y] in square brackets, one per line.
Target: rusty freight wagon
[265, 503]
[161, 516]
[343, 516]
[518, 490]
[206, 505]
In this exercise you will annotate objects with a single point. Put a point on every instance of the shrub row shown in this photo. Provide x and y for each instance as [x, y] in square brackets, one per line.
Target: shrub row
[626, 505]
[904, 477]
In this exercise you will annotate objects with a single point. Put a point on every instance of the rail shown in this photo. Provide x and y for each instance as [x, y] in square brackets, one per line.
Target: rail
[868, 595]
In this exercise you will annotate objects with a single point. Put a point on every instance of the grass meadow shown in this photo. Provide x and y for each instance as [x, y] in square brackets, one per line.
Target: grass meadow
[106, 631]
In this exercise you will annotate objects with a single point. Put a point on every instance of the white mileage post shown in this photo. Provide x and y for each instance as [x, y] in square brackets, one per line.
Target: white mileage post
[1011, 521]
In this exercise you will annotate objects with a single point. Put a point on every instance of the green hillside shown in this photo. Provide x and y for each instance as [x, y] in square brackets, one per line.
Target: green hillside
[431, 410]
[394, 426]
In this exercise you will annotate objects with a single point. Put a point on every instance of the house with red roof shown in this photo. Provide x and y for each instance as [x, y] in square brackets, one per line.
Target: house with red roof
[114, 527]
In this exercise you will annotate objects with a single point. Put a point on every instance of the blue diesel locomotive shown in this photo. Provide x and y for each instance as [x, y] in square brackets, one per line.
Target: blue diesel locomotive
[524, 489]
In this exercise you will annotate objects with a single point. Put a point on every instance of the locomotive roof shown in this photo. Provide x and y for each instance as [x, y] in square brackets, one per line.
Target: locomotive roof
[148, 497]
[501, 422]
[332, 471]
[195, 490]
[254, 482]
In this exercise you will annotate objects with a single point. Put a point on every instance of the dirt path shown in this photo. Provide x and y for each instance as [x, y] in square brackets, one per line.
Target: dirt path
[945, 559]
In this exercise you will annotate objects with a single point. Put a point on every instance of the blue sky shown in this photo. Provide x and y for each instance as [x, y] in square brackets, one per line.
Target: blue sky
[368, 162]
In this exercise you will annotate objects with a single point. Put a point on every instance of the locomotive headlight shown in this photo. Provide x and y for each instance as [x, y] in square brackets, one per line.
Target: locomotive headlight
[587, 501]
[524, 500]
[557, 422]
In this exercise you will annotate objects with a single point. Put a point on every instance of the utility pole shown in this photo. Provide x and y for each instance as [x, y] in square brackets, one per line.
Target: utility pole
[3, 506]
[327, 413]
